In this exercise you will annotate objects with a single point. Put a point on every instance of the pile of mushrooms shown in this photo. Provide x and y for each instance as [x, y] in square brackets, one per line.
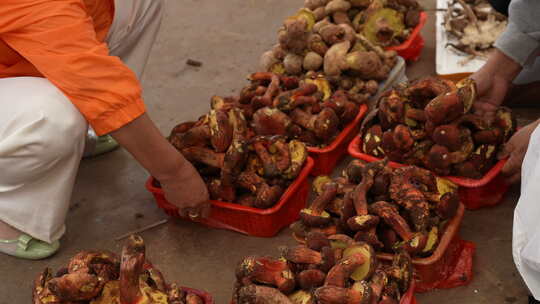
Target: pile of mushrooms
[392, 210]
[238, 165]
[310, 110]
[100, 277]
[342, 39]
[429, 123]
[332, 271]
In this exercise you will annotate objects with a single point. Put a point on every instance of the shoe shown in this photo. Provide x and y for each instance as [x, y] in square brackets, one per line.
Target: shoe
[29, 248]
[105, 144]
[99, 145]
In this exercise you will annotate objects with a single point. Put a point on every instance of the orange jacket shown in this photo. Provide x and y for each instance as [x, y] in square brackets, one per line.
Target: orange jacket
[63, 40]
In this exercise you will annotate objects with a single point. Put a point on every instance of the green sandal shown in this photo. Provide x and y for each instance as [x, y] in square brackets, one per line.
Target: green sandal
[31, 249]
[97, 145]
[105, 144]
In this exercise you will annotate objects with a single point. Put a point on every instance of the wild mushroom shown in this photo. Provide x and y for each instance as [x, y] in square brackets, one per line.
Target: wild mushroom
[323, 125]
[414, 242]
[310, 278]
[314, 215]
[340, 295]
[340, 273]
[266, 195]
[261, 294]
[266, 270]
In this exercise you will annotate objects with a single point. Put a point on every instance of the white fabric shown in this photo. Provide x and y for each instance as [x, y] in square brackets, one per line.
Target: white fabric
[134, 30]
[526, 229]
[41, 141]
[42, 134]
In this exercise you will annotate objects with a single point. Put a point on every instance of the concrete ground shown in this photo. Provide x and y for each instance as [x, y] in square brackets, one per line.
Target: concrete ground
[109, 198]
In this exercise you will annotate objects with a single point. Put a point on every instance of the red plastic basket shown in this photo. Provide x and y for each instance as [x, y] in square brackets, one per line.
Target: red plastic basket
[474, 193]
[326, 158]
[412, 47]
[408, 298]
[247, 220]
[451, 263]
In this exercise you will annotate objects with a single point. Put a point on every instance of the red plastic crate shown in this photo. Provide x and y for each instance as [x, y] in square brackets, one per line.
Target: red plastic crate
[247, 220]
[412, 47]
[408, 298]
[326, 158]
[474, 193]
[451, 263]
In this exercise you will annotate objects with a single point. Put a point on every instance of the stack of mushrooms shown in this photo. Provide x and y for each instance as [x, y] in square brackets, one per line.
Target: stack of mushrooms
[392, 210]
[97, 277]
[238, 165]
[343, 40]
[330, 271]
[309, 110]
[429, 123]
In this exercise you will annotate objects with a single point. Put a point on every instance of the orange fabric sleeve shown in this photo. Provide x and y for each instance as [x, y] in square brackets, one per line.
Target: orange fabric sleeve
[58, 38]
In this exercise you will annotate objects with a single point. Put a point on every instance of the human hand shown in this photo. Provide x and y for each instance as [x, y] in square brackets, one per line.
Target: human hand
[182, 184]
[188, 192]
[492, 83]
[515, 149]
[491, 91]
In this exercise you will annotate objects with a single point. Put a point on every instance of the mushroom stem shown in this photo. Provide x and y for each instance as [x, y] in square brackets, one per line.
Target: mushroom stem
[131, 267]
[470, 14]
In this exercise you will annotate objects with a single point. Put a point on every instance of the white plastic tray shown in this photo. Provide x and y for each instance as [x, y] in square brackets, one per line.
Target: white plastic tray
[397, 75]
[448, 61]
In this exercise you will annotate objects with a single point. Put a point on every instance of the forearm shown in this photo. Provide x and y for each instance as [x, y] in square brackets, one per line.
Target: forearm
[502, 66]
[143, 140]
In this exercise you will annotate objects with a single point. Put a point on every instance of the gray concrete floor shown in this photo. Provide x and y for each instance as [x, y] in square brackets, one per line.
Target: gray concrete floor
[227, 36]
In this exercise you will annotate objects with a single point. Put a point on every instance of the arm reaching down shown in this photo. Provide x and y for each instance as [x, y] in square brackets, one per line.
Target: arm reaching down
[181, 183]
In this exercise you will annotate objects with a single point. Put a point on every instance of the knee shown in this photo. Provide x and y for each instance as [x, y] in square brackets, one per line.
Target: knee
[38, 132]
[51, 126]
[64, 128]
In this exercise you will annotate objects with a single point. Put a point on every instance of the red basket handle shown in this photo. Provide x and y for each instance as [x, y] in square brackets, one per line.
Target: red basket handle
[217, 224]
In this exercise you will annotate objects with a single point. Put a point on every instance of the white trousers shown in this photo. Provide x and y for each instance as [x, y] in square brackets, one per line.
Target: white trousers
[42, 134]
[526, 228]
